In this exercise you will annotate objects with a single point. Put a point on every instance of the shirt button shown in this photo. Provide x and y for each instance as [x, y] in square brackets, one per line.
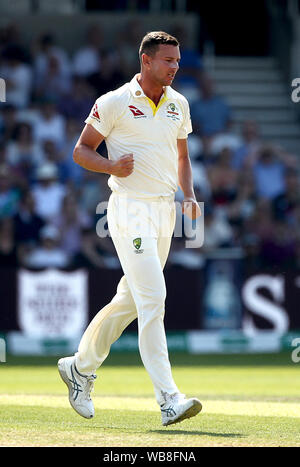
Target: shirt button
[138, 93]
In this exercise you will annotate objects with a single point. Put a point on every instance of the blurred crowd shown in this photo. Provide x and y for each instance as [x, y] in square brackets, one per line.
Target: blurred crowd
[48, 204]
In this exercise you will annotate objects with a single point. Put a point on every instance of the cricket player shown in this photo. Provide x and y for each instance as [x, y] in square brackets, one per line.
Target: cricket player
[145, 124]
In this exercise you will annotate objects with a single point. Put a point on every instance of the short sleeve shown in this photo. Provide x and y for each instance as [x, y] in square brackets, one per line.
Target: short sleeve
[101, 116]
[186, 126]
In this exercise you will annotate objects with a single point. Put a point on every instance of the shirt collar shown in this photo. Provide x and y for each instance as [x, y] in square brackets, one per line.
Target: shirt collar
[137, 90]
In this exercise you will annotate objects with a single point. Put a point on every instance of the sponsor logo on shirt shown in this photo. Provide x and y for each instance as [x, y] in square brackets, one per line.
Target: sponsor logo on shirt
[95, 112]
[172, 111]
[137, 113]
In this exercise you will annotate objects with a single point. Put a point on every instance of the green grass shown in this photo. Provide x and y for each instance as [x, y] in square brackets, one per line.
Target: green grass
[248, 400]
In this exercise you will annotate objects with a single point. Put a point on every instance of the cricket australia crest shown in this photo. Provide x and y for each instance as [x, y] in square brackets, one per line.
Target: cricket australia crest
[137, 243]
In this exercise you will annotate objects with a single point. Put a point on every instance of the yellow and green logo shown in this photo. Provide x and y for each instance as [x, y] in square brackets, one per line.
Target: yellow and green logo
[137, 242]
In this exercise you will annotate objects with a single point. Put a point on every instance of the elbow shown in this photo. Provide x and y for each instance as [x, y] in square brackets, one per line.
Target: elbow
[76, 155]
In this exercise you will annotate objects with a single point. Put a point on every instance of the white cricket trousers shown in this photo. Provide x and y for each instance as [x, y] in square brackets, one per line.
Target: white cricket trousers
[141, 231]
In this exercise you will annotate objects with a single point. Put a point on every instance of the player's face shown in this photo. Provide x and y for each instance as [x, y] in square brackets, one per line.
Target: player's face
[164, 65]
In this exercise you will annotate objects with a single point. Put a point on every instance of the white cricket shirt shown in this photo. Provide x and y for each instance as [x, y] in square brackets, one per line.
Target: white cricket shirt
[131, 123]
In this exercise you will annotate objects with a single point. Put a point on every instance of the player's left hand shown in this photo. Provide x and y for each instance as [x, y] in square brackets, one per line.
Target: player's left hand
[191, 208]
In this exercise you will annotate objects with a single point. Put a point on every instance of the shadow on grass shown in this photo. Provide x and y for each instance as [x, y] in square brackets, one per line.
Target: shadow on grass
[198, 433]
[35, 425]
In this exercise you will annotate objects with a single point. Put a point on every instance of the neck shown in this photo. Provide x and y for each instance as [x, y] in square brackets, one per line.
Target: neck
[151, 88]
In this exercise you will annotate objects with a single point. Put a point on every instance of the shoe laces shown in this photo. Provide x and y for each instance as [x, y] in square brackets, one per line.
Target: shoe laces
[177, 397]
[90, 385]
[173, 398]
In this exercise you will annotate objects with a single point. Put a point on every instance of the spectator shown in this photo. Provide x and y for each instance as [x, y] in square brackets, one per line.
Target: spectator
[78, 101]
[285, 206]
[8, 249]
[54, 82]
[9, 194]
[85, 257]
[93, 189]
[244, 204]
[48, 193]
[109, 77]
[210, 114]
[50, 125]
[86, 60]
[70, 221]
[259, 225]
[17, 180]
[8, 121]
[251, 142]
[48, 254]
[43, 49]
[27, 224]
[269, 167]
[223, 179]
[54, 156]
[17, 75]
[217, 230]
[96, 252]
[226, 140]
[23, 152]
[9, 35]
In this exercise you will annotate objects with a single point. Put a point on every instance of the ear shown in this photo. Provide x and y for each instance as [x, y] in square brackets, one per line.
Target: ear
[146, 60]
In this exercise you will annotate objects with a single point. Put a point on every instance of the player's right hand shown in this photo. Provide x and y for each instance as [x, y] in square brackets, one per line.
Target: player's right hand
[123, 166]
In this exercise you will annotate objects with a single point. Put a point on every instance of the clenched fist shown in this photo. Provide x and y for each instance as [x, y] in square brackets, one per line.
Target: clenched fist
[191, 208]
[123, 166]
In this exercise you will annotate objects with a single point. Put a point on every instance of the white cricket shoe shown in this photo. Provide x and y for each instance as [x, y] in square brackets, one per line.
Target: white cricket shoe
[80, 387]
[178, 408]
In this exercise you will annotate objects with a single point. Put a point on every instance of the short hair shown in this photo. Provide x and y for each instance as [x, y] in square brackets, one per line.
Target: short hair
[152, 40]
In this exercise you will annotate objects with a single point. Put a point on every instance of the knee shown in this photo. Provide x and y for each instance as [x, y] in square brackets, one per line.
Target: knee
[159, 296]
[124, 300]
[152, 305]
[155, 296]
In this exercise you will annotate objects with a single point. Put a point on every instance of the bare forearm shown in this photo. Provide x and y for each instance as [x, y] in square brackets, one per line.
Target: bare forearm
[91, 160]
[185, 177]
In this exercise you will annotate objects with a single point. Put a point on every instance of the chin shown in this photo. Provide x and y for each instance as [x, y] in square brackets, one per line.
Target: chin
[168, 81]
